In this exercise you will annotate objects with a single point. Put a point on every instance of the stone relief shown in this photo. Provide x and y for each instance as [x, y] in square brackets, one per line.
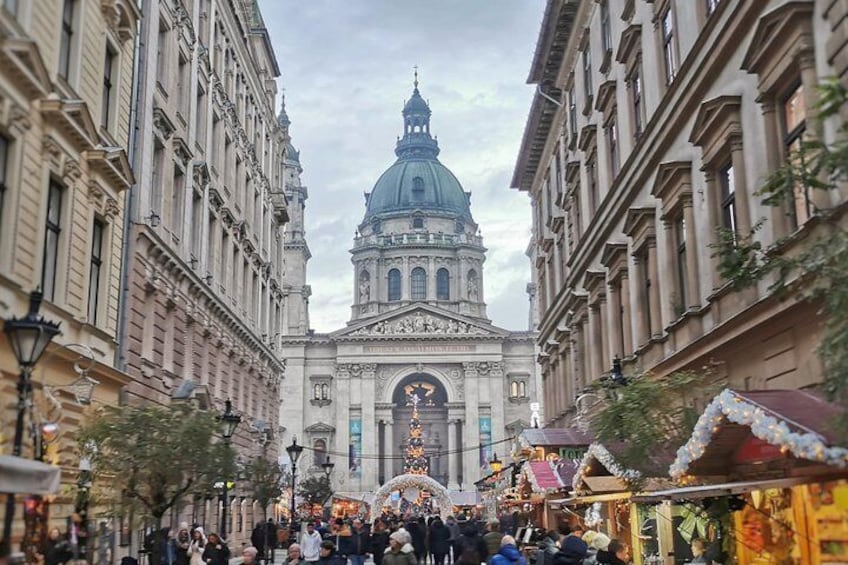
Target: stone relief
[419, 323]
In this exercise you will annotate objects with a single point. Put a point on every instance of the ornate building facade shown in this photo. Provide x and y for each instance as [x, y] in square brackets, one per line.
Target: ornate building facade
[66, 75]
[418, 326]
[653, 125]
[205, 261]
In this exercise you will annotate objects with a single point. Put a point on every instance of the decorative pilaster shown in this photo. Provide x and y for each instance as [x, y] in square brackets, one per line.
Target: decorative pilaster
[471, 457]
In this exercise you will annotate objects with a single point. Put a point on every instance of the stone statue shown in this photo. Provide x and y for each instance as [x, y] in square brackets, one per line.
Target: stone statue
[418, 323]
[472, 288]
[364, 290]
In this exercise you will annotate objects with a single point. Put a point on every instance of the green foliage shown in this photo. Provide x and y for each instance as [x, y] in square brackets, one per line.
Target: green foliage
[266, 481]
[816, 270]
[315, 489]
[155, 455]
[646, 414]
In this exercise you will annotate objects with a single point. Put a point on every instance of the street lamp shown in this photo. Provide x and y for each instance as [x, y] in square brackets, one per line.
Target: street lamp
[328, 467]
[495, 464]
[294, 451]
[29, 337]
[229, 423]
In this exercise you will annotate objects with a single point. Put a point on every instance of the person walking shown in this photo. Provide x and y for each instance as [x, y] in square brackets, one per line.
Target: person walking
[328, 555]
[455, 534]
[310, 544]
[400, 551]
[181, 543]
[248, 555]
[492, 537]
[360, 543]
[379, 541]
[195, 548]
[508, 553]
[419, 539]
[295, 555]
[216, 551]
[440, 541]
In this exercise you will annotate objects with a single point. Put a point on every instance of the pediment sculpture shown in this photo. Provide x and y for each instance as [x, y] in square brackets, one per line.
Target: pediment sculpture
[419, 323]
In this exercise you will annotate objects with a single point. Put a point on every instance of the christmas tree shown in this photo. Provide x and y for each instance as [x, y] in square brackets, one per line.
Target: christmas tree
[414, 461]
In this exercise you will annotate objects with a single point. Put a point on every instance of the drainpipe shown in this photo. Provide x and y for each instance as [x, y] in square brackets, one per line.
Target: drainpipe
[129, 202]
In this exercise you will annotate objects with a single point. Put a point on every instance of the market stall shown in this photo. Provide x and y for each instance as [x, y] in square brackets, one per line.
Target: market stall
[770, 462]
[350, 506]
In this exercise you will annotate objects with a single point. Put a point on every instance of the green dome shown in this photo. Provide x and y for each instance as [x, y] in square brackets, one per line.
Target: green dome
[412, 184]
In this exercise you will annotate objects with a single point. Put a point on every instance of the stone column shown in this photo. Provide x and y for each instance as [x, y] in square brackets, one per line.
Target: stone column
[471, 458]
[342, 436]
[453, 458]
[388, 450]
[714, 222]
[644, 319]
[603, 310]
[496, 396]
[626, 316]
[405, 285]
[671, 284]
[431, 278]
[614, 316]
[692, 282]
[740, 180]
[576, 357]
[370, 473]
[654, 274]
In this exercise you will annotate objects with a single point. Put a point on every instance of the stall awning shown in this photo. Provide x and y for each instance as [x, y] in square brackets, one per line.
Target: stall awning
[25, 476]
[710, 491]
[464, 498]
[745, 427]
[543, 476]
[553, 437]
[600, 472]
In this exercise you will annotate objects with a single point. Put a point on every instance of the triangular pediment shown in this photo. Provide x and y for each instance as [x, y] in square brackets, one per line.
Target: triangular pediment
[320, 428]
[420, 321]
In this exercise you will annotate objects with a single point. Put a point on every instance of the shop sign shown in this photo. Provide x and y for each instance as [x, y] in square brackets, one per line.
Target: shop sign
[572, 453]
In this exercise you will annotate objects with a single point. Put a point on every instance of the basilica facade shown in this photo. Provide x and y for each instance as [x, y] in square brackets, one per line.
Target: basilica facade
[418, 326]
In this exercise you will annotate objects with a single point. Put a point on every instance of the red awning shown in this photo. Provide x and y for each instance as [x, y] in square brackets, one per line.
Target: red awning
[543, 476]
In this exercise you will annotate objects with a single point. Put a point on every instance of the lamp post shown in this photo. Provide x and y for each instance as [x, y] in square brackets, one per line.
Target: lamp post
[294, 451]
[229, 423]
[29, 337]
[328, 467]
[495, 464]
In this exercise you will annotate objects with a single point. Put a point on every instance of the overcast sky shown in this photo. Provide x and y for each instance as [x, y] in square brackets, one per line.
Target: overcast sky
[347, 69]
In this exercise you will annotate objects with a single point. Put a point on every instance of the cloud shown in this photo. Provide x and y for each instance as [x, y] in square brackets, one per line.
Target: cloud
[347, 68]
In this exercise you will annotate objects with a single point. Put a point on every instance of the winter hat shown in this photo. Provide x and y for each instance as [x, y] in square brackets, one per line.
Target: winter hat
[184, 526]
[200, 529]
[573, 546]
[601, 542]
[399, 537]
[507, 540]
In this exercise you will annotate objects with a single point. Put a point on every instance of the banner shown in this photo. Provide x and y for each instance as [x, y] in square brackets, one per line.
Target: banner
[485, 441]
[355, 448]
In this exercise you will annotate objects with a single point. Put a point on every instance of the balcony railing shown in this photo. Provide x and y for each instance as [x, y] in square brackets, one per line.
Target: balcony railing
[401, 239]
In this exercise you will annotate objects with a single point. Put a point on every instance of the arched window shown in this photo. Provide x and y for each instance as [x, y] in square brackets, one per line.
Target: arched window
[417, 188]
[419, 284]
[316, 391]
[522, 389]
[442, 284]
[394, 284]
[325, 391]
[513, 389]
[417, 223]
[319, 452]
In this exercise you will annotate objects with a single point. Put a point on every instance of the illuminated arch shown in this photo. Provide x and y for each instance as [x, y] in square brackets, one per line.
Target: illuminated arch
[423, 482]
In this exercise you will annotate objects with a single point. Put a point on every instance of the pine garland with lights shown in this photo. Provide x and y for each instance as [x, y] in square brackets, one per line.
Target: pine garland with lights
[414, 461]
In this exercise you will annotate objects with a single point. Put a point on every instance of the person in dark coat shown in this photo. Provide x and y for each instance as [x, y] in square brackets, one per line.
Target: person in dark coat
[379, 541]
[216, 551]
[508, 553]
[328, 555]
[57, 549]
[359, 545]
[440, 541]
[419, 540]
[573, 551]
[471, 545]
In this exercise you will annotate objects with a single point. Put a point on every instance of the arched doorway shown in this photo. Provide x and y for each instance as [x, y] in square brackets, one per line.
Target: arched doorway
[420, 482]
[433, 414]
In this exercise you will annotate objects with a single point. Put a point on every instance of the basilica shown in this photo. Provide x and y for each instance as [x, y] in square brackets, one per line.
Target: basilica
[418, 329]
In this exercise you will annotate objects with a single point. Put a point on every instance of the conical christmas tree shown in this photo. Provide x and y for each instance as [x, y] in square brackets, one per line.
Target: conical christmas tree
[414, 461]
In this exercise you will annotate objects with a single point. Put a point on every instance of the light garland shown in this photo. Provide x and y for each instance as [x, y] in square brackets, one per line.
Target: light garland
[422, 482]
[600, 453]
[728, 405]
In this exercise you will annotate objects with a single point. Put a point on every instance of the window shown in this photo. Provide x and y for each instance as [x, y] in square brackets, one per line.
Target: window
[794, 121]
[66, 38]
[97, 232]
[177, 197]
[635, 84]
[51, 239]
[11, 6]
[587, 75]
[728, 198]
[592, 178]
[518, 389]
[319, 451]
[680, 244]
[162, 55]
[612, 144]
[394, 284]
[669, 50]
[646, 293]
[108, 80]
[200, 125]
[606, 28]
[417, 189]
[419, 284]
[4, 162]
[711, 6]
[182, 86]
[442, 284]
[197, 223]
[572, 114]
[418, 223]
